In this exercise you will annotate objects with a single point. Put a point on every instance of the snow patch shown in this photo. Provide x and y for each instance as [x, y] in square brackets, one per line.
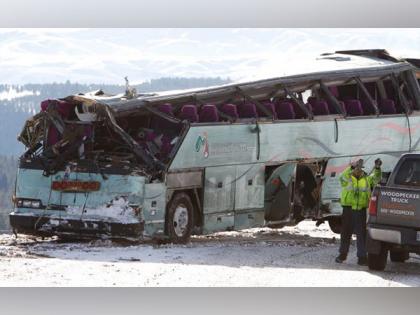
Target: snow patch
[12, 93]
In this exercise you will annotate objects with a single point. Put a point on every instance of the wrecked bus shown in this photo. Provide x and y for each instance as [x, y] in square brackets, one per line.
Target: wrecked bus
[261, 153]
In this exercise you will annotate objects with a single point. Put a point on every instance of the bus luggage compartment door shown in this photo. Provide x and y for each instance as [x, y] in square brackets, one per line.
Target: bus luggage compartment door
[219, 198]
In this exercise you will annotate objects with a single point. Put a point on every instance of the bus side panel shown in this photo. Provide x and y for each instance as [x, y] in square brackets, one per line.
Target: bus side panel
[154, 209]
[214, 145]
[216, 222]
[249, 219]
[219, 198]
[206, 146]
[249, 196]
[249, 190]
[219, 189]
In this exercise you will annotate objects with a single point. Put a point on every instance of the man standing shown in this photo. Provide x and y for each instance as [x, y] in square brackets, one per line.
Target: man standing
[356, 189]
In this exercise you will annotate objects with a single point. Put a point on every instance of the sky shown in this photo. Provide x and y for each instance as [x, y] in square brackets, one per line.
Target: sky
[107, 55]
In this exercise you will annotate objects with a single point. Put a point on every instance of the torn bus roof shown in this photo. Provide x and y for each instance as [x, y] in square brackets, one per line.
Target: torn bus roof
[330, 68]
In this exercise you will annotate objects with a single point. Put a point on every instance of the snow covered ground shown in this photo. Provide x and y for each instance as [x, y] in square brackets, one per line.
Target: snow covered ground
[292, 256]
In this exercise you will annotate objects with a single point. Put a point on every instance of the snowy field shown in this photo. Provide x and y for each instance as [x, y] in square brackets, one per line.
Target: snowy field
[292, 256]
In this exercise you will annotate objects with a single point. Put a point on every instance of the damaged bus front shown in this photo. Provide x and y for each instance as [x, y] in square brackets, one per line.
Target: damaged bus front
[86, 174]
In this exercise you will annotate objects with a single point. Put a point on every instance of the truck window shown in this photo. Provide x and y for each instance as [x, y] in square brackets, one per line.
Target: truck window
[409, 173]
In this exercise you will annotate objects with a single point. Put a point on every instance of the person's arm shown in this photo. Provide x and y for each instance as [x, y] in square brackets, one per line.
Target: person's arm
[375, 177]
[345, 176]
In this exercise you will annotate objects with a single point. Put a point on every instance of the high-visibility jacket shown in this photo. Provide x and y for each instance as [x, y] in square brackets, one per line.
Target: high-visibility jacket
[356, 191]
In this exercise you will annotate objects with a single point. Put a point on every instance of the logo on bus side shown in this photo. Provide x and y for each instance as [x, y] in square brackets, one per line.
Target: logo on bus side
[202, 142]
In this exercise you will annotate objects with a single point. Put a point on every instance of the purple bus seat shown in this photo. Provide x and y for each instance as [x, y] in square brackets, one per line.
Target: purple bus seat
[353, 107]
[334, 91]
[319, 108]
[299, 112]
[387, 107]
[189, 112]
[63, 108]
[332, 109]
[230, 110]
[159, 123]
[166, 108]
[270, 107]
[208, 113]
[312, 100]
[284, 110]
[368, 109]
[166, 147]
[150, 136]
[247, 110]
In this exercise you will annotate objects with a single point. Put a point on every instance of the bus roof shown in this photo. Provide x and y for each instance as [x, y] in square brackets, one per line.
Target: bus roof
[331, 68]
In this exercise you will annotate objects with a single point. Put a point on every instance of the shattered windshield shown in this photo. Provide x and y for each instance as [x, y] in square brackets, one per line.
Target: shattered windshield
[83, 129]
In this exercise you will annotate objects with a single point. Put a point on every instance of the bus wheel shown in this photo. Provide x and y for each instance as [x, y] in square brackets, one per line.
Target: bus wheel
[335, 224]
[399, 255]
[179, 219]
[378, 261]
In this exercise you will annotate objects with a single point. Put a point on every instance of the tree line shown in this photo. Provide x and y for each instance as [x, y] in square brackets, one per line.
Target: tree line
[8, 165]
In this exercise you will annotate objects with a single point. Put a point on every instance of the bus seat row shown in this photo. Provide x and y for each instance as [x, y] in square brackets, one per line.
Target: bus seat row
[283, 109]
[189, 112]
[353, 107]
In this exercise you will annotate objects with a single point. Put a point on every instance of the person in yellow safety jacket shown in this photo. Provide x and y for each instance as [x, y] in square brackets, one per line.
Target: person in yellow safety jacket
[356, 188]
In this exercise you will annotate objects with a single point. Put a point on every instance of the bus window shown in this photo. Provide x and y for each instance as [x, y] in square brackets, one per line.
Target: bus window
[368, 108]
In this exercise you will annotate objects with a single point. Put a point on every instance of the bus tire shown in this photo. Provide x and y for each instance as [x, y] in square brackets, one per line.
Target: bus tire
[179, 221]
[378, 261]
[335, 224]
[399, 255]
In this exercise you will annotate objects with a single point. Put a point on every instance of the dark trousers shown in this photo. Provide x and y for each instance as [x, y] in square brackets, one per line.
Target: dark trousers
[353, 221]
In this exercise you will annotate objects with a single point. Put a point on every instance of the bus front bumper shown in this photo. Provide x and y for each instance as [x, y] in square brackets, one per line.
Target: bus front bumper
[78, 228]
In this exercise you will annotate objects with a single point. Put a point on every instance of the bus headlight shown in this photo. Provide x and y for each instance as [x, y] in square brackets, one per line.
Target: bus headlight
[28, 203]
[35, 204]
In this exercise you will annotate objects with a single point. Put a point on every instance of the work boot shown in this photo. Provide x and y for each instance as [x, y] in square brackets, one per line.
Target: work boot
[340, 258]
[362, 261]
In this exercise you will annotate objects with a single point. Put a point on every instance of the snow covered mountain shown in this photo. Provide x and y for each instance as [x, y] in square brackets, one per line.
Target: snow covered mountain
[107, 55]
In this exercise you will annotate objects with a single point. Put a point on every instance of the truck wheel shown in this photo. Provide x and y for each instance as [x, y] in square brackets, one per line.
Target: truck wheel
[335, 224]
[399, 255]
[179, 219]
[378, 261]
